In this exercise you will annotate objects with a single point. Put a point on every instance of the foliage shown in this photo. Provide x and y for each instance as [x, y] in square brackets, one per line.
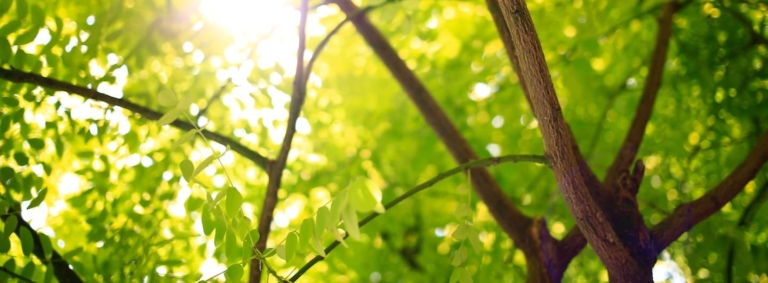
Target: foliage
[156, 168]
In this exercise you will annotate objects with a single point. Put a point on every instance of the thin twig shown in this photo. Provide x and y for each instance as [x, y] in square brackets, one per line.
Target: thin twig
[276, 170]
[487, 162]
[14, 275]
[17, 76]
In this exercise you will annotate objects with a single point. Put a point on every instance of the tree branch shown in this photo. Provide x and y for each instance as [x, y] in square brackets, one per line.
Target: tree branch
[689, 214]
[60, 265]
[17, 76]
[14, 275]
[631, 144]
[482, 163]
[559, 144]
[276, 171]
[512, 221]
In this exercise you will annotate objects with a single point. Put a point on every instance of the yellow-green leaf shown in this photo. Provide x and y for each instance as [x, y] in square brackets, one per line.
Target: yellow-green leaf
[170, 116]
[306, 232]
[461, 232]
[234, 201]
[234, 273]
[322, 222]
[184, 138]
[200, 167]
[187, 168]
[291, 244]
[350, 222]
[360, 195]
[167, 98]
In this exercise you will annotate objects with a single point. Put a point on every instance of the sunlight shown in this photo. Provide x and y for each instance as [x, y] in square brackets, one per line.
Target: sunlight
[250, 18]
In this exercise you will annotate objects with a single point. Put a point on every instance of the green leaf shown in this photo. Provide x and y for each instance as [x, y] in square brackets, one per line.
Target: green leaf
[38, 16]
[459, 256]
[27, 242]
[10, 27]
[167, 98]
[280, 249]
[26, 37]
[187, 168]
[291, 245]
[234, 201]
[464, 276]
[322, 222]
[169, 117]
[462, 211]
[318, 245]
[338, 206]
[207, 218]
[234, 273]
[28, 270]
[5, 244]
[474, 240]
[269, 252]
[306, 232]
[232, 246]
[21, 8]
[36, 144]
[21, 158]
[360, 195]
[200, 167]
[461, 232]
[220, 196]
[184, 138]
[45, 242]
[455, 275]
[350, 222]
[10, 224]
[247, 250]
[254, 235]
[38, 199]
[5, 51]
[5, 6]
[184, 103]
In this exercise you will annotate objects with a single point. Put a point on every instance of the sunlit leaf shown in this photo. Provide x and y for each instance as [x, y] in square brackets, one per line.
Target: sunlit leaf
[461, 232]
[269, 252]
[27, 242]
[167, 98]
[184, 138]
[208, 220]
[200, 167]
[187, 168]
[474, 240]
[280, 250]
[462, 211]
[360, 195]
[459, 256]
[322, 222]
[306, 232]
[318, 245]
[169, 116]
[234, 201]
[291, 245]
[338, 206]
[10, 224]
[350, 222]
[234, 273]
[38, 199]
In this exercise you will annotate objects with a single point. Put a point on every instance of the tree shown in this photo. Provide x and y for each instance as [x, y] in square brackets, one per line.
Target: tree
[156, 140]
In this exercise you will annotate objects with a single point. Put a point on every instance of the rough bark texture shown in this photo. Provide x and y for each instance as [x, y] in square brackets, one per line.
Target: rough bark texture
[559, 146]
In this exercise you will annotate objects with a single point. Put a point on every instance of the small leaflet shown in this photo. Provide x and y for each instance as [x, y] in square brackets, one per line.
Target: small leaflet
[27, 242]
[337, 207]
[234, 201]
[321, 221]
[306, 232]
[170, 116]
[463, 211]
[207, 219]
[234, 273]
[350, 222]
[184, 138]
[360, 196]
[461, 232]
[167, 98]
[200, 167]
[10, 224]
[459, 256]
[38, 199]
[291, 243]
[281, 251]
[187, 168]
[474, 240]
[318, 244]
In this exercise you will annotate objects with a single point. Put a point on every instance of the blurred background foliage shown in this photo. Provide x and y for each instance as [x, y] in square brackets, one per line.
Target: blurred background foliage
[117, 208]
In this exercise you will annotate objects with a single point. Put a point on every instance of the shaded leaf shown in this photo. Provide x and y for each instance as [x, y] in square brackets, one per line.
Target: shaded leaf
[27, 242]
[38, 199]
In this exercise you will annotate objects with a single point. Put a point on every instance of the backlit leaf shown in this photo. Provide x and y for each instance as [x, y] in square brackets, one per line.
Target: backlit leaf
[187, 168]
[169, 116]
[291, 245]
[184, 138]
[234, 201]
[360, 196]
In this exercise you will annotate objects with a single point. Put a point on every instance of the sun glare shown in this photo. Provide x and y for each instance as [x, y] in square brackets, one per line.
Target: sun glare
[252, 19]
